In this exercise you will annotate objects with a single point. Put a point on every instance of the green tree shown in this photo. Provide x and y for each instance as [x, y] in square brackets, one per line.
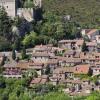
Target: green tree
[29, 39]
[13, 54]
[17, 44]
[28, 4]
[47, 71]
[84, 47]
[54, 96]
[2, 82]
[13, 96]
[5, 24]
[23, 53]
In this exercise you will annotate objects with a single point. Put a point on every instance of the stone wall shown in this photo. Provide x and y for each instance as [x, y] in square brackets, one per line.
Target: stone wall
[27, 13]
[10, 7]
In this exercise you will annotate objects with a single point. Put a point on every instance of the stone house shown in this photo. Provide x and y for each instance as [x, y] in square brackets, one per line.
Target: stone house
[89, 58]
[92, 46]
[73, 85]
[71, 44]
[98, 39]
[63, 73]
[96, 71]
[42, 48]
[91, 33]
[79, 44]
[42, 57]
[11, 71]
[63, 61]
[60, 74]
[69, 54]
[39, 80]
[67, 44]
[52, 64]
[39, 67]
[72, 54]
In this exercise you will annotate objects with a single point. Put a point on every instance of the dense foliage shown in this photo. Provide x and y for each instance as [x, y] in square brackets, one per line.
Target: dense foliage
[84, 12]
[13, 89]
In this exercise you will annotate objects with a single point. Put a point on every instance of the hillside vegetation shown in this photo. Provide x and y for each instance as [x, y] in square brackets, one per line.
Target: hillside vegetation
[82, 11]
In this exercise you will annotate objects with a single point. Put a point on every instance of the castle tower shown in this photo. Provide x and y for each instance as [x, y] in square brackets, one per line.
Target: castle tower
[10, 7]
[37, 3]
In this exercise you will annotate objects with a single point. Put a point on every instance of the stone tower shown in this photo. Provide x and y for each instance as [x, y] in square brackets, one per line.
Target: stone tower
[38, 3]
[10, 7]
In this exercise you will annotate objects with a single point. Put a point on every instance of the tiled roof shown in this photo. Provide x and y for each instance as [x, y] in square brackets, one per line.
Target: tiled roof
[69, 52]
[52, 61]
[36, 65]
[63, 70]
[92, 31]
[73, 81]
[42, 54]
[67, 41]
[96, 68]
[69, 60]
[23, 65]
[81, 69]
[91, 44]
[79, 42]
[40, 80]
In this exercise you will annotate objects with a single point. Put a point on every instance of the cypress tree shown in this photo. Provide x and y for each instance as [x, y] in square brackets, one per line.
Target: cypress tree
[23, 53]
[13, 54]
[84, 47]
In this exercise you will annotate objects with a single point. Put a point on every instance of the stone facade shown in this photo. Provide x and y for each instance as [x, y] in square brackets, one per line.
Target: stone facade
[38, 3]
[10, 7]
[27, 13]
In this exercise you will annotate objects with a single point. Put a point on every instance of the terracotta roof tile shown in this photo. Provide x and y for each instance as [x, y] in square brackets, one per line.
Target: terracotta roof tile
[92, 31]
[81, 69]
[63, 70]
[42, 54]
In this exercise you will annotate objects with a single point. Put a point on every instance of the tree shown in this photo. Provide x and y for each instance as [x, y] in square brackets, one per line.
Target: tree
[84, 47]
[90, 73]
[47, 71]
[2, 82]
[13, 54]
[23, 53]
[70, 28]
[29, 39]
[17, 44]
[5, 24]
[54, 96]
[13, 96]
[28, 4]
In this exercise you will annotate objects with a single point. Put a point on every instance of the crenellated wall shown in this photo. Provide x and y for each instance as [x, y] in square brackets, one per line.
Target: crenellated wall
[27, 13]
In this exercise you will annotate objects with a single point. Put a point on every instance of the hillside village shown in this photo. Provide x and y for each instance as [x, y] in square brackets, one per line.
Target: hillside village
[64, 64]
[71, 64]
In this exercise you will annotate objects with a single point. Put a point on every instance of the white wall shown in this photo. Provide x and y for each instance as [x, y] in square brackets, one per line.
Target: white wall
[10, 7]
